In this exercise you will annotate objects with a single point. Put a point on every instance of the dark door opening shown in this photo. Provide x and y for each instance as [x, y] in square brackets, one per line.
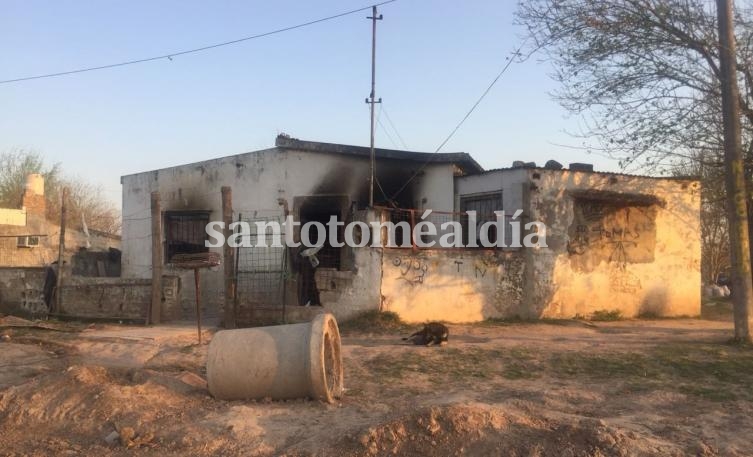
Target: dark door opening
[319, 209]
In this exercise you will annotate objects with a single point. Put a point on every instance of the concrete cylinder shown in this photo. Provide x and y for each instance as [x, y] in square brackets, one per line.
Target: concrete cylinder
[278, 362]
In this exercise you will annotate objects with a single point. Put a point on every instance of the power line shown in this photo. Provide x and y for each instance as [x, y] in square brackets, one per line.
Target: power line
[384, 129]
[387, 115]
[510, 61]
[194, 50]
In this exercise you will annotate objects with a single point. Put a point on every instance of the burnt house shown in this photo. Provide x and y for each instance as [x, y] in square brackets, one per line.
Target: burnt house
[613, 241]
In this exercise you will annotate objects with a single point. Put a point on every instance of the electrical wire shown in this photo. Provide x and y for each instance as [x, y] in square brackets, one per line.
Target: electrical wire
[462, 121]
[384, 129]
[387, 115]
[195, 50]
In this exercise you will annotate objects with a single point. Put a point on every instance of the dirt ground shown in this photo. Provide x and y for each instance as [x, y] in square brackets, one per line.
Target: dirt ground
[572, 388]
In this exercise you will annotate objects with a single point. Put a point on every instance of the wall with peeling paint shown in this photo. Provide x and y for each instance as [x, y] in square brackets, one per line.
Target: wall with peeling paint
[638, 258]
[452, 285]
[615, 242]
[260, 182]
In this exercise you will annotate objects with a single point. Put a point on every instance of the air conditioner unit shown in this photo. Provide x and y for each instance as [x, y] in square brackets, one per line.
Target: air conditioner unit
[28, 241]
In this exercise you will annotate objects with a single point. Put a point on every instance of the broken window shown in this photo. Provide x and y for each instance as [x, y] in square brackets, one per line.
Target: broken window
[484, 205]
[185, 233]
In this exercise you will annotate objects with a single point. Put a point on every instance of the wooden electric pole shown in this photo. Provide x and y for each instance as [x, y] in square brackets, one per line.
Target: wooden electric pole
[737, 212]
[153, 316]
[228, 258]
[61, 252]
[371, 100]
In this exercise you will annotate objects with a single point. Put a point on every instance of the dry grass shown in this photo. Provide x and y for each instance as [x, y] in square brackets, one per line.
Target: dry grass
[374, 322]
[713, 372]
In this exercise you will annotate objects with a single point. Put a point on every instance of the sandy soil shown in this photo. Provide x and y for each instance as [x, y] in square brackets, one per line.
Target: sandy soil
[664, 387]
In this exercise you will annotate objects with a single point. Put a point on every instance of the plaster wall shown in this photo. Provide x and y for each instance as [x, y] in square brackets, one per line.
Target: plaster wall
[452, 286]
[640, 259]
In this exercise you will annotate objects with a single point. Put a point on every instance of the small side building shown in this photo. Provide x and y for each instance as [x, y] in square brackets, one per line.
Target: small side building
[615, 241]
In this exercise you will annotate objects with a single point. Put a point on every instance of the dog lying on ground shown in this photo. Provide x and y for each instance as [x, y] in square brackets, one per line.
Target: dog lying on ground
[432, 333]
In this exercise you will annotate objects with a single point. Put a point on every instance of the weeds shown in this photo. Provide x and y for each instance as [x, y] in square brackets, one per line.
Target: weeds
[375, 322]
[604, 315]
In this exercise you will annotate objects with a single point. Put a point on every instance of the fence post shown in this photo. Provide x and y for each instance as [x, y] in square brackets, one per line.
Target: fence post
[228, 258]
[153, 316]
[412, 225]
[61, 254]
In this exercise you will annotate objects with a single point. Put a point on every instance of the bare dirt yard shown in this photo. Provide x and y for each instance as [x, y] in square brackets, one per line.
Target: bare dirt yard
[571, 388]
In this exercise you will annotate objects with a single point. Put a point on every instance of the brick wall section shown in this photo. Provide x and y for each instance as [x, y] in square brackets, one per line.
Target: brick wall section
[34, 204]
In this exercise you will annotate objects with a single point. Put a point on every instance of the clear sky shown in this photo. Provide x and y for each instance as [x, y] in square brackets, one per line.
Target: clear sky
[434, 58]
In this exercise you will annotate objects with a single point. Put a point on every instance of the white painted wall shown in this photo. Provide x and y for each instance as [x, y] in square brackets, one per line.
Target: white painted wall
[16, 217]
[259, 181]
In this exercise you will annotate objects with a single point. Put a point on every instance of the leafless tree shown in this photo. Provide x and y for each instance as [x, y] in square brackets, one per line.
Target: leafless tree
[85, 203]
[645, 76]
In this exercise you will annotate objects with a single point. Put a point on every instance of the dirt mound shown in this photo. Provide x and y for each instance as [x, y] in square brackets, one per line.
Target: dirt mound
[84, 404]
[477, 429]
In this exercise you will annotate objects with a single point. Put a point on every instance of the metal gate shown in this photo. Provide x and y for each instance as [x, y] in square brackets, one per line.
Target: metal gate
[261, 273]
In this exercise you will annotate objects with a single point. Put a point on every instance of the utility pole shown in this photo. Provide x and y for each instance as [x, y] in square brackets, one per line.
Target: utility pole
[737, 212]
[61, 252]
[371, 100]
[153, 316]
[228, 259]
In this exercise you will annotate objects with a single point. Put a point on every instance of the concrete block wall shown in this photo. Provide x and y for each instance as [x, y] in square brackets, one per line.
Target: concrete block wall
[21, 291]
[116, 298]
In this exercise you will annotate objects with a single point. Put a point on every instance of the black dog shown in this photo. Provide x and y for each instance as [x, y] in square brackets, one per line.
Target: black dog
[432, 333]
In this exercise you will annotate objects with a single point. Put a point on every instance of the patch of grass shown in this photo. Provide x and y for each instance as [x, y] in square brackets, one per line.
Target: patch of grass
[374, 322]
[519, 320]
[604, 315]
[455, 365]
[716, 373]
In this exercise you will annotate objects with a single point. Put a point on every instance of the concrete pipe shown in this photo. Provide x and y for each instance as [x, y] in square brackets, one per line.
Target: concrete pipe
[279, 362]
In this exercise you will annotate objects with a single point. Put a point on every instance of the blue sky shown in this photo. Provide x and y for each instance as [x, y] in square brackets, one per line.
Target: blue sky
[434, 59]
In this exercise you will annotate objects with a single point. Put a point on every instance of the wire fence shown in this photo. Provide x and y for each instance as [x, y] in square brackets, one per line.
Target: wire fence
[261, 269]
[450, 229]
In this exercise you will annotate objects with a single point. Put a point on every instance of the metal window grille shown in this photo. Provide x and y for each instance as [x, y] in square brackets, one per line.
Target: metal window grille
[185, 233]
[484, 206]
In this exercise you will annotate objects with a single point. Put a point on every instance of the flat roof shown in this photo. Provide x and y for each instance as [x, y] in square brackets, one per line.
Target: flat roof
[606, 173]
[461, 159]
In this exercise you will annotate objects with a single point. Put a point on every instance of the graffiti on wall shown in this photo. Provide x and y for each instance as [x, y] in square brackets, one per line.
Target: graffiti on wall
[614, 233]
[412, 269]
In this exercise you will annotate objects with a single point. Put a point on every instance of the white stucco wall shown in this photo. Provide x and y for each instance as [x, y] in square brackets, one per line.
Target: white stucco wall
[509, 181]
[260, 181]
[434, 189]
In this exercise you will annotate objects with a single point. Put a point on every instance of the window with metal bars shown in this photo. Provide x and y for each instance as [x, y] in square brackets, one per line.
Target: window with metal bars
[185, 233]
[484, 205]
